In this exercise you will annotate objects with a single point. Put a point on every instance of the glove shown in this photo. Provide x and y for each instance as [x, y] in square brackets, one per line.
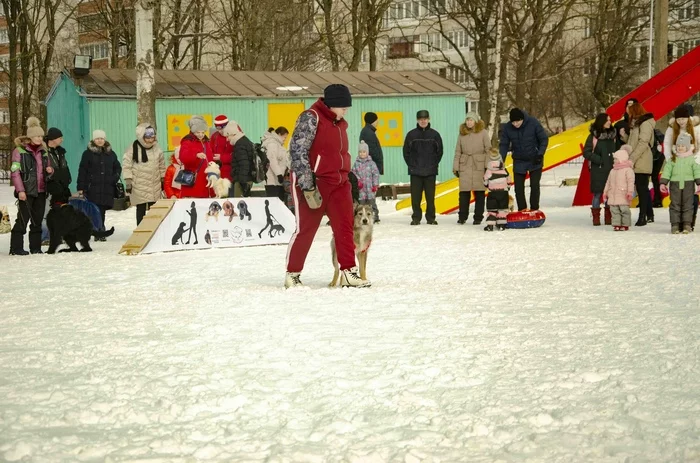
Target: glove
[128, 186]
[629, 196]
[663, 188]
[374, 189]
[456, 173]
[313, 198]
[280, 179]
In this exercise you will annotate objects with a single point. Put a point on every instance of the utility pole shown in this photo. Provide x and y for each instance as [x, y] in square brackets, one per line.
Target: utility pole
[660, 35]
[145, 69]
[496, 92]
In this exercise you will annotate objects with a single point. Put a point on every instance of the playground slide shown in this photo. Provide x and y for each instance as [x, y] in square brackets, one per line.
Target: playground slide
[660, 95]
[562, 148]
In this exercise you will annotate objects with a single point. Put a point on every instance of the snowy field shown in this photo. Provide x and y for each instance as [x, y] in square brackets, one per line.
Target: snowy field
[567, 343]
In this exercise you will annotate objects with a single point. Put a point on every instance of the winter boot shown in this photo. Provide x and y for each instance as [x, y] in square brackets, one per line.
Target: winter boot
[477, 222]
[596, 216]
[434, 222]
[461, 221]
[415, 222]
[625, 228]
[292, 280]
[488, 228]
[675, 229]
[18, 252]
[616, 228]
[351, 278]
[692, 224]
[501, 227]
[687, 228]
[608, 216]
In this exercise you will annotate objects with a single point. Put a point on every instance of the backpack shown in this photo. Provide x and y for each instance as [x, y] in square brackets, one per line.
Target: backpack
[260, 163]
[658, 141]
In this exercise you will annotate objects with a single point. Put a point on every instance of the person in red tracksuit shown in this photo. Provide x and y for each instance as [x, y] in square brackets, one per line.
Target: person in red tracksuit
[195, 154]
[320, 167]
[221, 148]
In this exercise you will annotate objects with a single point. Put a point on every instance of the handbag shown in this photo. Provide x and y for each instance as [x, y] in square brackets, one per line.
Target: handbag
[187, 177]
[120, 193]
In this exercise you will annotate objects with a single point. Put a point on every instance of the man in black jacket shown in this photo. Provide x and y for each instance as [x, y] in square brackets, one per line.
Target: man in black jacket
[58, 183]
[422, 151]
[243, 161]
[368, 135]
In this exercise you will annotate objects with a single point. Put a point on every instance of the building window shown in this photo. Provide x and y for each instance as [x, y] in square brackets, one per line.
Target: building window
[459, 38]
[123, 50]
[690, 9]
[4, 37]
[2, 10]
[589, 66]
[457, 75]
[5, 62]
[590, 27]
[92, 22]
[96, 50]
[473, 107]
[401, 47]
[4, 116]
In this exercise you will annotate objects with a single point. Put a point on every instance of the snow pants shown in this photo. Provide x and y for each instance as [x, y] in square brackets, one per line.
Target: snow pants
[681, 208]
[497, 205]
[621, 216]
[337, 205]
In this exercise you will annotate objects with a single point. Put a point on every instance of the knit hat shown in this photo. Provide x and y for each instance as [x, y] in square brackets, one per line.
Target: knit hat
[423, 114]
[198, 124]
[363, 147]
[337, 96]
[681, 112]
[34, 128]
[473, 116]
[684, 140]
[52, 134]
[232, 129]
[631, 101]
[517, 114]
[370, 118]
[623, 154]
[220, 121]
[99, 134]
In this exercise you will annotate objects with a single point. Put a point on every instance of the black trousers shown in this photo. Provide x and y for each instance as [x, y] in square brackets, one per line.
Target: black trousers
[275, 191]
[641, 184]
[535, 177]
[30, 212]
[479, 201]
[420, 185]
[141, 210]
[656, 170]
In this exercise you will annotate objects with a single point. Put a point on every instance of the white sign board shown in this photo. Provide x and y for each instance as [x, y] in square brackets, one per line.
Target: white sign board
[223, 223]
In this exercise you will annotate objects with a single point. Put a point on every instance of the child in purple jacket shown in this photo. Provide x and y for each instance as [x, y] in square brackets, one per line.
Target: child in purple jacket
[367, 178]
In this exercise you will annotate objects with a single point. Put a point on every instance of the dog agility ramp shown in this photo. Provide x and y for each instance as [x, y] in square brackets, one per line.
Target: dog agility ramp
[183, 224]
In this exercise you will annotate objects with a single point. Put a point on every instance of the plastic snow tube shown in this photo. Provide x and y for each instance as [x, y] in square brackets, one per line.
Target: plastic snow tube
[525, 219]
[89, 209]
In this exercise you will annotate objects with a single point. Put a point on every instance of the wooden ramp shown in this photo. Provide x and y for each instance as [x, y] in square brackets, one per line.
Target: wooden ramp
[148, 226]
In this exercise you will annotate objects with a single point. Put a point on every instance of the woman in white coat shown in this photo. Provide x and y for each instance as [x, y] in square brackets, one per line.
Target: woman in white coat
[143, 168]
[277, 154]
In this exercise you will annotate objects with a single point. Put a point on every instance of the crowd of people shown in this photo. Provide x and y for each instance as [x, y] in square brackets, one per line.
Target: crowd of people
[621, 157]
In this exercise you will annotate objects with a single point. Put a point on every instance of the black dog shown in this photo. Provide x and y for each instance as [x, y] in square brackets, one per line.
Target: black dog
[68, 224]
[179, 234]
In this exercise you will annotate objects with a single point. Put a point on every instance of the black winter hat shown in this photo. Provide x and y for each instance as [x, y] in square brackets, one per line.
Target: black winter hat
[681, 111]
[337, 96]
[370, 118]
[516, 114]
[52, 134]
[423, 114]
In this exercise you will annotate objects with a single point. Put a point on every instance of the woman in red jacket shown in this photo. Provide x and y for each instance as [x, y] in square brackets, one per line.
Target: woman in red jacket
[172, 188]
[195, 154]
[221, 148]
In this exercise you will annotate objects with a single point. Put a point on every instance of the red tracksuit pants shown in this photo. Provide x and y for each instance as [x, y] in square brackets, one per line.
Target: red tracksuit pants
[337, 205]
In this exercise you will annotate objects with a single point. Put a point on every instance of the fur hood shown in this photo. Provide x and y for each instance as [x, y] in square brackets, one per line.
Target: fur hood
[23, 141]
[694, 119]
[608, 134]
[140, 132]
[478, 127]
[99, 149]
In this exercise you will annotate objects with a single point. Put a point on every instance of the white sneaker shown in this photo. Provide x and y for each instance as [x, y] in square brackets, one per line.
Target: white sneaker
[293, 280]
[351, 278]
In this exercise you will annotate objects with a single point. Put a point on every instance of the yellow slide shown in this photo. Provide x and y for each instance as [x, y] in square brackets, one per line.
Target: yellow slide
[562, 148]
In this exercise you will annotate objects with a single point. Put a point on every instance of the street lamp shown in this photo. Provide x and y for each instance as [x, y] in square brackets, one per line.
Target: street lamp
[651, 34]
[82, 65]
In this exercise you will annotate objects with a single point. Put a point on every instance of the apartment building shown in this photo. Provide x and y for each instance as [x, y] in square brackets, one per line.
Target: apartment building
[4, 78]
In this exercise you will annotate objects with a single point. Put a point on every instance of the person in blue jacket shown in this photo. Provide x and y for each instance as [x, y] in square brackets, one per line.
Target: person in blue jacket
[526, 139]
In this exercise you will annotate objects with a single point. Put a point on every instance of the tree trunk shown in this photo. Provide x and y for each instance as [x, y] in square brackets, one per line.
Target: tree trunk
[145, 74]
[493, 107]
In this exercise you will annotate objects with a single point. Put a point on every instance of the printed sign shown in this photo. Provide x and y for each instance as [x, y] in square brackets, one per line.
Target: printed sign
[178, 128]
[223, 223]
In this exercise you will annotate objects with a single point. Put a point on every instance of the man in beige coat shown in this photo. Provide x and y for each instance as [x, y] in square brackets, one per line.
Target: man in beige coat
[469, 165]
[143, 168]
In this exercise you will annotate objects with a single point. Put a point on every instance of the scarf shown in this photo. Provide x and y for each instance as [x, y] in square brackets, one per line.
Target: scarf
[135, 147]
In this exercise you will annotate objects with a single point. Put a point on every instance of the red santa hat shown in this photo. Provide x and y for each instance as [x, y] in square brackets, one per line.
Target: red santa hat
[221, 121]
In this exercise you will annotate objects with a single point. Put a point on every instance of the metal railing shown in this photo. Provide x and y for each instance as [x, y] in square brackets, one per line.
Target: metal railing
[5, 161]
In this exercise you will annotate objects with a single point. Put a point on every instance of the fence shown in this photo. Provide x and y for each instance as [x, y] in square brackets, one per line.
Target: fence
[5, 161]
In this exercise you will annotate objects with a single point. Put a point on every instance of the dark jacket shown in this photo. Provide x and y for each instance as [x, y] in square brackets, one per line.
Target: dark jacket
[28, 168]
[369, 136]
[600, 158]
[98, 174]
[527, 144]
[422, 151]
[58, 183]
[624, 123]
[243, 163]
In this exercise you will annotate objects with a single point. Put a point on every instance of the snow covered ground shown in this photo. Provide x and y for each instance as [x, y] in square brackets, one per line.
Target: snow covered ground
[567, 343]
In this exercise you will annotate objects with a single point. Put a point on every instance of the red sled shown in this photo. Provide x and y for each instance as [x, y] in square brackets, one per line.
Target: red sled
[525, 219]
